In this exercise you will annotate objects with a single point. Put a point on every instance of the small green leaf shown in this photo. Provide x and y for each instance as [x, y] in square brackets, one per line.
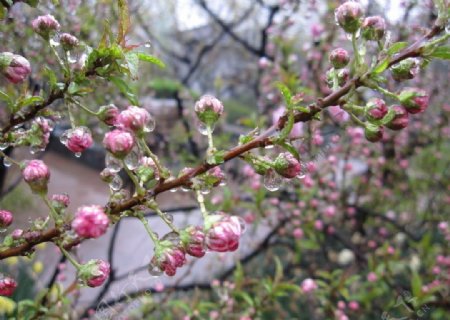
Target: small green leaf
[396, 47]
[152, 59]
[216, 157]
[6, 98]
[286, 93]
[132, 60]
[381, 66]
[278, 270]
[416, 284]
[441, 53]
[124, 21]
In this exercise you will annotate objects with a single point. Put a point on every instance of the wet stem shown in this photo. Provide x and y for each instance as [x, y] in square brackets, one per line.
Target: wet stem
[139, 189]
[201, 202]
[355, 51]
[58, 58]
[155, 159]
[385, 92]
[210, 138]
[3, 155]
[163, 216]
[78, 103]
[70, 258]
[152, 235]
[53, 212]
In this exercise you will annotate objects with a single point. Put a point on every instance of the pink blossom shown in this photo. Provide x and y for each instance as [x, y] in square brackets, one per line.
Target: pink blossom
[372, 277]
[78, 139]
[36, 174]
[298, 233]
[90, 221]
[61, 200]
[45, 25]
[6, 218]
[7, 286]
[119, 142]
[193, 240]
[223, 232]
[94, 273]
[353, 305]
[208, 109]
[108, 114]
[338, 114]
[168, 258]
[318, 225]
[18, 68]
[17, 234]
[287, 165]
[134, 119]
[308, 285]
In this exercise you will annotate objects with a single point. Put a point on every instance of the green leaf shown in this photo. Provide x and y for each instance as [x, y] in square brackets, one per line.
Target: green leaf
[152, 59]
[286, 93]
[396, 47]
[381, 67]
[52, 79]
[416, 284]
[287, 146]
[216, 157]
[132, 60]
[124, 22]
[278, 270]
[6, 98]
[125, 89]
[441, 53]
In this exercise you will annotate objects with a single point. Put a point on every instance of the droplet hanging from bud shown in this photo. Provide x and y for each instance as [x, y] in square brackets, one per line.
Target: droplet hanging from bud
[272, 181]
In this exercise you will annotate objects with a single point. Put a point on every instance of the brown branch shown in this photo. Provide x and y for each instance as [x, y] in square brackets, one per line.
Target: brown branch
[261, 141]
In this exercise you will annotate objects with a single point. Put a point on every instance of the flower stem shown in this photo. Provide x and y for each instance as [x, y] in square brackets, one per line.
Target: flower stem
[3, 155]
[53, 212]
[139, 190]
[201, 202]
[385, 92]
[78, 103]
[155, 159]
[355, 51]
[163, 216]
[210, 137]
[70, 258]
[152, 235]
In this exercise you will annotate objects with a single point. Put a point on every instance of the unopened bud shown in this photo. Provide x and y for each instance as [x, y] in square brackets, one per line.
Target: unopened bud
[373, 28]
[339, 58]
[414, 100]
[406, 69]
[348, 16]
[373, 133]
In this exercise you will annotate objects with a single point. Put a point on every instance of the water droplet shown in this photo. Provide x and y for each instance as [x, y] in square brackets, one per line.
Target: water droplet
[272, 181]
[201, 127]
[132, 160]
[2, 230]
[172, 237]
[173, 190]
[148, 44]
[112, 163]
[77, 154]
[116, 183]
[71, 58]
[447, 28]
[185, 189]
[269, 146]
[6, 162]
[151, 124]
[169, 217]
[64, 137]
[3, 145]
[36, 149]
[223, 183]
[154, 270]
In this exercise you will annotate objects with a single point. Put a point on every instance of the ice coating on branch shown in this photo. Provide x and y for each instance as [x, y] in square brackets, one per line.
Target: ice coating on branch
[90, 221]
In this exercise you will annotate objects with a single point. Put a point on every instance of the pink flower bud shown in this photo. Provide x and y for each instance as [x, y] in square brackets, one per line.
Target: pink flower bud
[400, 119]
[353, 305]
[7, 286]
[6, 218]
[339, 115]
[414, 100]
[16, 69]
[298, 233]
[90, 221]
[215, 176]
[308, 285]
[287, 165]
[376, 109]
[223, 232]
[373, 28]
[208, 109]
[108, 114]
[45, 25]
[372, 277]
[68, 41]
[348, 16]
[119, 142]
[94, 272]
[61, 200]
[373, 133]
[36, 174]
[339, 58]
[168, 258]
[78, 139]
[135, 119]
[193, 240]
[17, 234]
